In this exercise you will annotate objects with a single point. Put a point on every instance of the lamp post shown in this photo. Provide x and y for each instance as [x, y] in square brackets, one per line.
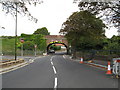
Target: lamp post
[16, 2]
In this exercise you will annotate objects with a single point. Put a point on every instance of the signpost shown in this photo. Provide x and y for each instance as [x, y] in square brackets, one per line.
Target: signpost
[22, 41]
[35, 49]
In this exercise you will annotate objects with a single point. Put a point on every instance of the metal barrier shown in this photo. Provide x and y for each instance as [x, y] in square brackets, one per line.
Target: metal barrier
[116, 66]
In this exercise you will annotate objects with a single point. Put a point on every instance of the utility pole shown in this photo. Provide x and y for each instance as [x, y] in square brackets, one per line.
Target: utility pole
[16, 33]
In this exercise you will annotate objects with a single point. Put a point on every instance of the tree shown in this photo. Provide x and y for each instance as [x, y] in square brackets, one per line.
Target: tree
[10, 7]
[83, 30]
[40, 42]
[42, 31]
[28, 45]
[35, 40]
[54, 47]
[109, 11]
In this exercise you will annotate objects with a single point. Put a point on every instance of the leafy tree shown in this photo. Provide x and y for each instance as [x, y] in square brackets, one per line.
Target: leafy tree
[10, 7]
[42, 31]
[114, 43]
[28, 45]
[83, 30]
[27, 37]
[110, 11]
[40, 41]
[37, 39]
[54, 47]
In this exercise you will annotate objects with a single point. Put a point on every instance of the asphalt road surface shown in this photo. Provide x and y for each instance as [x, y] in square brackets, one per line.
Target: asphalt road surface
[57, 71]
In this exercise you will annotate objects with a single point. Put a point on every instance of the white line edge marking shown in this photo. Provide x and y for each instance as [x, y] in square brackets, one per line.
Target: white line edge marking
[13, 69]
[55, 86]
[54, 70]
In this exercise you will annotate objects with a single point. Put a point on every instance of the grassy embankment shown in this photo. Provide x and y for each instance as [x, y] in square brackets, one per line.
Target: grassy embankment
[7, 46]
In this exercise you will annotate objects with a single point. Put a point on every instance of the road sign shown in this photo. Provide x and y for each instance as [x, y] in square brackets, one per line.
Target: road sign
[21, 40]
[35, 46]
[116, 66]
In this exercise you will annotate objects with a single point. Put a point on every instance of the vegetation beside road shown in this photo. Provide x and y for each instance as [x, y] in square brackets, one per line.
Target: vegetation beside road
[30, 40]
[86, 34]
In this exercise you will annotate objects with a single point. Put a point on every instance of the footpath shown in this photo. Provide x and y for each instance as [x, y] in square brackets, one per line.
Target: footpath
[100, 64]
[96, 63]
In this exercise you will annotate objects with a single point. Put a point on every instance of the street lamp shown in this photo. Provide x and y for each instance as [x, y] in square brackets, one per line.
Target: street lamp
[16, 2]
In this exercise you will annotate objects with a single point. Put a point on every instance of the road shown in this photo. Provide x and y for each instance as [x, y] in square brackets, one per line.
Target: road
[58, 71]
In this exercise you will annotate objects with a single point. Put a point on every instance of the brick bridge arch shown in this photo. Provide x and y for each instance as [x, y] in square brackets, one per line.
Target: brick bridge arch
[57, 39]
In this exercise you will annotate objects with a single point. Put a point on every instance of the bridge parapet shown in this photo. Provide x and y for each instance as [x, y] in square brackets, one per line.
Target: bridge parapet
[51, 38]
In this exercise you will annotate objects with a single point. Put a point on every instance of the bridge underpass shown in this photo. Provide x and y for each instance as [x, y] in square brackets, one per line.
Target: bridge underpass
[55, 40]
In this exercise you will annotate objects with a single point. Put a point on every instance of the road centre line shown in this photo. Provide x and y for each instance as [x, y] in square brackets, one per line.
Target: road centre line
[63, 56]
[52, 63]
[51, 59]
[54, 70]
[55, 85]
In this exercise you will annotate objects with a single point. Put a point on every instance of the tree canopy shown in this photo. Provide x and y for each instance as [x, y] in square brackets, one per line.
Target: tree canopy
[83, 30]
[10, 7]
[109, 11]
[42, 31]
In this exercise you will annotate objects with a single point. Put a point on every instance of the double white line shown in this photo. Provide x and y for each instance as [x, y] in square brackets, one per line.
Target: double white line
[55, 72]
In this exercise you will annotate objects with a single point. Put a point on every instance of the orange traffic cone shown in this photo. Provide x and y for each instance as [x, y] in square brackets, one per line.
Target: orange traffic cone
[81, 60]
[109, 68]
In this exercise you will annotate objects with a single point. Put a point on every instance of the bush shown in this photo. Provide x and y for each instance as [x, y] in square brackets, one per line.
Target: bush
[28, 45]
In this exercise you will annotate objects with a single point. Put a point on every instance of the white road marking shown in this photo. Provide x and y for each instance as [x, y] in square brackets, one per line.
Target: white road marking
[63, 56]
[51, 59]
[20, 66]
[12, 69]
[52, 63]
[55, 85]
[54, 70]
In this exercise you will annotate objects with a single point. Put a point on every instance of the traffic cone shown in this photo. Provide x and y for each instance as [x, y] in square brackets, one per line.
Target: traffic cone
[81, 60]
[109, 68]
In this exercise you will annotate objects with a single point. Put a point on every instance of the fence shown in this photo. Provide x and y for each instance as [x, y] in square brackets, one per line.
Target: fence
[98, 54]
[25, 52]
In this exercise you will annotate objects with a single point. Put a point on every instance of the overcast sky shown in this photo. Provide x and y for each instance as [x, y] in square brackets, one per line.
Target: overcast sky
[50, 14]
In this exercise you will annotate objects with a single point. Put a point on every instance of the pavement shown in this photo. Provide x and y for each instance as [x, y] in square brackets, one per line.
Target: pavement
[58, 71]
[96, 63]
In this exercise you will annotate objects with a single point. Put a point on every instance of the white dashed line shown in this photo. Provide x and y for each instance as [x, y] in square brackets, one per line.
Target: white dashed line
[54, 70]
[52, 63]
[63, 56]
[51, 59]
[55, 85]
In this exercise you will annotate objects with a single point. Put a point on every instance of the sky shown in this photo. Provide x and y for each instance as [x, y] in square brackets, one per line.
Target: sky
[50, 14]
